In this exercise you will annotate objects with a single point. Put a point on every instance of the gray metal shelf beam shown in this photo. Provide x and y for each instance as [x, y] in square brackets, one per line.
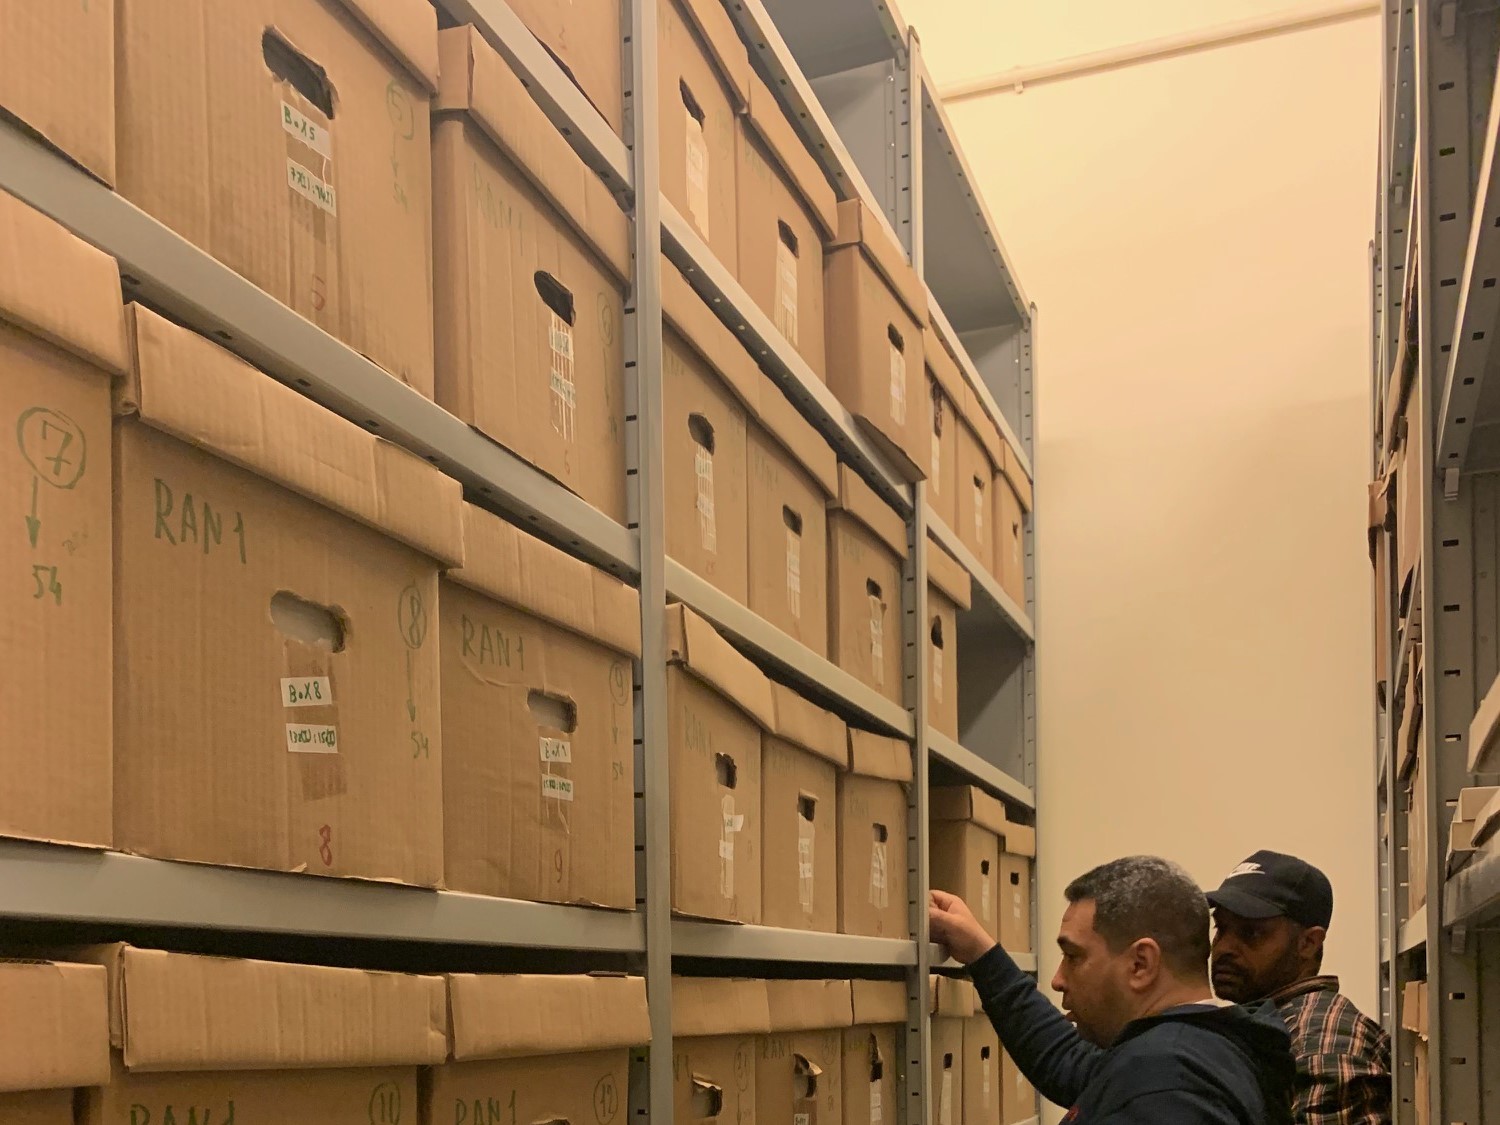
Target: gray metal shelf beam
[988, 775]
[766, 943]
[1472, 897]
[828, 36]
[1413, 932]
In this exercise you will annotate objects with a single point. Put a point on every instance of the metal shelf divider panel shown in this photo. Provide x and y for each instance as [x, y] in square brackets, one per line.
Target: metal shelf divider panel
[1012, 614]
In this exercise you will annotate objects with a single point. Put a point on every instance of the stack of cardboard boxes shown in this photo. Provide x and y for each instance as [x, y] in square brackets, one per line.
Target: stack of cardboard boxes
[1414, 1020]
[978, 854]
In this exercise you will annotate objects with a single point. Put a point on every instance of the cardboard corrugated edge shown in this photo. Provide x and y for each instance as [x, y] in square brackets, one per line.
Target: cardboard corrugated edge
[770, 123]
[809, 1005]
[1018, 839]
[186, 1012]
[1019, 482]
[710, 19]
[939, 360]
[875, 755]
[878, 1002]
[500, 561]
[1484, 727]
[525, 1016]
[703, 1007]
[59, 288]
[953, 997]
[477, 81]
[799, 437]
[54, 1026]
[859, 500]
[858, 226]
[948, 575]
[194, 390]
[805, 724]
[406, 28]
[697, 646]
[710, 337]
[968, 802]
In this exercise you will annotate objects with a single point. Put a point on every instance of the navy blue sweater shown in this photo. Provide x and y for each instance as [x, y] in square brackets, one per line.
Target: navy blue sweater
[1194, 1065]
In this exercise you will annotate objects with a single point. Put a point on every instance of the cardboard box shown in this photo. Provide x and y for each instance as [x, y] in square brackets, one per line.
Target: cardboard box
[1017, 859]
[787, 211]
[873, 1063]
[1421, 1082]
[1410, 499]
[953, 1004]
[1017, 1096]
[964, 850]
[291, 141]
[875, 358]
[718, 703]
[866, 546]
[544, 1048]
[945, 385]
[709, 382]
[983, 1081]
[1416, 836]
[1013, 502]
[57, 77]
[586, 41]
[793, 476]
[1414, 1007]
[55, 1028]
[211, 1039]
[532, 261]
[799, 1066]
[981, 456]
[799, 814]
[872, 837]
[62, 337]
[704, 82]
[538, 722]
[1487, 823]
[276, 575]
[715, 1025]
[947, 593]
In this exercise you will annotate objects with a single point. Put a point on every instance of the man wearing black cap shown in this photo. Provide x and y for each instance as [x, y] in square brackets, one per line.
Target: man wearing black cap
[1271, 917]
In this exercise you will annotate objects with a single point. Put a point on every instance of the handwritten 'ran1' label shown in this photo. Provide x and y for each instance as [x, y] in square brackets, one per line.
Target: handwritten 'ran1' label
[311, 738]
[306, 691]
[556, 750]
[557, 788]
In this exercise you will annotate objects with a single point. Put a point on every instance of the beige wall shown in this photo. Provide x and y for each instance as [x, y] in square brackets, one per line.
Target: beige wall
[1195, 232]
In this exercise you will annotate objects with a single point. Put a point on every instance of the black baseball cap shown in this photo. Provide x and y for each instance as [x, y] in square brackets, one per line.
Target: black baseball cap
[1272, 885]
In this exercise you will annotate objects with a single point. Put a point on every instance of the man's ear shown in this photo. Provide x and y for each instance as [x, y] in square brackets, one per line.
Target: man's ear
[1144, 966]
[1310, 943]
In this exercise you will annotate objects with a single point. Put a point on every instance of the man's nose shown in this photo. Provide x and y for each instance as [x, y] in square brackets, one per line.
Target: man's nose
[1058, 984]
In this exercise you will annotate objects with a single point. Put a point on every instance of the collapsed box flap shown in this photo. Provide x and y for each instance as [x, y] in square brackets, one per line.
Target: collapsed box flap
[775, 130]
[948, 575]
[978, 419]
[875, 755]
[805, 724]
[503, 562]
[703, 1007]
[860, 501]
[408, 29]
[1016, 476]
[878, 1002]
[711, 21]
[476, 80]
[59, 288]
[524, 1016]
[709, 336]
[1471, 801]
[54, 1026]
[944, 367]
[1018, 839]
[968, 802]
[953, 997]
[858, 226]
[177, 1011]
[809, 1005]
[697, 646]
[797, 436]
[201, 394]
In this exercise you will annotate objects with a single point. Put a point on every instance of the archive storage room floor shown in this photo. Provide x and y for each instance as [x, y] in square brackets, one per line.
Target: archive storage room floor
[522, 567]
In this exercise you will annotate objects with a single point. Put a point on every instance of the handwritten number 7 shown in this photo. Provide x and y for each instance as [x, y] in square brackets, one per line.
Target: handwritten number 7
[46, 582]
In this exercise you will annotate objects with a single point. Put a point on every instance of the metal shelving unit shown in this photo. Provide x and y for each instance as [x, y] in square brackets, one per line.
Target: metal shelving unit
[848, 72]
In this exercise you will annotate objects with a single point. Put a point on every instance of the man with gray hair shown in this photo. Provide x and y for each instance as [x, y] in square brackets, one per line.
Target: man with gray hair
[1144, 1039]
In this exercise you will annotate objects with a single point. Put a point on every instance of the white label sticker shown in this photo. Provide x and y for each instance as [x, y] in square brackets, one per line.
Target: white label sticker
[979, 511]
[945, 1100]
[937, 674]
[306, 691]
[877, 1103]
[703, 467]
[557, 788]
[697, 173]
[311, 187]
[985, 1066]
[877, 639]
[786, 291]
[731, 823]
[935, 484]
[801, 1119]
[560, 377]
[984, 900]
[880, 895]
[311, 738]
[794, 573]
[309, 132]
[805, 837]
[898, 385]
[556, 749]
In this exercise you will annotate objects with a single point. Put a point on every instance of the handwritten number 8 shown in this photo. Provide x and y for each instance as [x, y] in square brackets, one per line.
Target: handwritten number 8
[325, 849]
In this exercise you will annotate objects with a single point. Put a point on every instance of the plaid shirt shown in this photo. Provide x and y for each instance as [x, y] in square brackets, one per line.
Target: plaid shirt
[1343, 1056]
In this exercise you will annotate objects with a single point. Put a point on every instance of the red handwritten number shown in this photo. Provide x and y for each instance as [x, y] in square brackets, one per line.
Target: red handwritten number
[325, 849]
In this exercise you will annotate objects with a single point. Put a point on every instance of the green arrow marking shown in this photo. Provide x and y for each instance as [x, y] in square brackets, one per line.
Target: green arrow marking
[33, 524]
[411, 691]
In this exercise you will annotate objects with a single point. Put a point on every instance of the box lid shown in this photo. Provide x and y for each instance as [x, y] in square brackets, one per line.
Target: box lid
[1487, 823]
[859, 500]
[953, 997]
[874, 755]
[968, 802]
[858, 226]
[201, 394]
[54, 1026]
[523, 1016]
[809, 1005]
[805, 724]
[775, 130]
[878, 1002]
[703, 1007]
[59, 288]
[693, 643]
[1471, 801]
[978, 419]
[1018, 839]
[946, 573]
[943, 366]
[408, 29]
[177, 1011]
[1020, 483]
[711, 21]
[503, 562]
[799, 437]
[476, 80]
[709, 336]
